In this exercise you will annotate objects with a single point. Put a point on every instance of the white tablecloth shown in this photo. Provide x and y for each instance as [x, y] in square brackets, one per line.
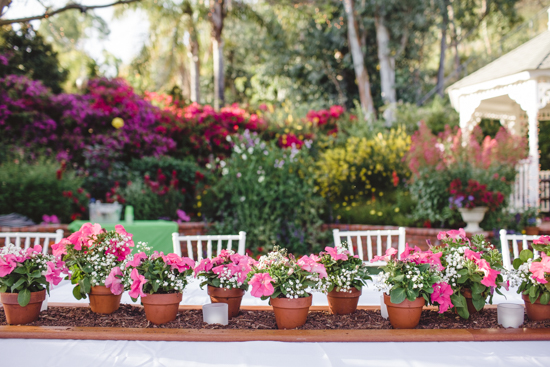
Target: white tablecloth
[88, 353]
[193, 295]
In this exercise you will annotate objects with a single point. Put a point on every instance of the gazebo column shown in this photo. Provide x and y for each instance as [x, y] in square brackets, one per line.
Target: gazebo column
[532, 114]
[468, 105]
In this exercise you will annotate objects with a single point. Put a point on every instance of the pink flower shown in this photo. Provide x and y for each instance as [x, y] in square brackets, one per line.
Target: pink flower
[53, 273]
[261, 285]
[455, 235]
[182, 217]
[542, 240]
[180, 263]
[309, 264]
[489, 280]
[136, 289]
[121, 231]
[540, 268]
[137, 259]
[442, 295]
[60, 249]
[389, 253]
[333, 252]
[472, 255]
[442, 235]
[7, 265]
[205, 265]
[506, 284]
[114, 281]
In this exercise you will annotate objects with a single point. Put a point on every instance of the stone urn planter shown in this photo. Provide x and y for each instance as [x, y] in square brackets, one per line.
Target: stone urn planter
[473, 217]
[232, 297]
[291, 313]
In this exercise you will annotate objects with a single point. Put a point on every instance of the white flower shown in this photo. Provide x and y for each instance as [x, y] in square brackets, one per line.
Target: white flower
[242, 199]
[225, 171]
[261, 179]
[243, 157]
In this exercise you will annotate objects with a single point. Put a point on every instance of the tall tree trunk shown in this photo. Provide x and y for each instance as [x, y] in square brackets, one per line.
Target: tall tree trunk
[387, 68]
[361, 73]
[454, 35]
[441, 71]
[195, 69]
[217, 15]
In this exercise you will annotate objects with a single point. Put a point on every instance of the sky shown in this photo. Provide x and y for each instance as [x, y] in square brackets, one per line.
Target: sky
[128, 34]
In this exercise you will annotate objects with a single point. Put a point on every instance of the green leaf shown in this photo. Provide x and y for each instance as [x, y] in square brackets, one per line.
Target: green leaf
[397, 295]
[398, 278]
[3, 288]
[87, 269]
[533, 292]
[85, 286]
[463, 272]
[478, 303]
[463, 279]
[17, 284]
[517, 263]
[476, 278]
[545, 298]
[156, 286]
[20, 270]
[525, 255]
[76, 292]
[24, 297]
[458, 300]
[463, 312]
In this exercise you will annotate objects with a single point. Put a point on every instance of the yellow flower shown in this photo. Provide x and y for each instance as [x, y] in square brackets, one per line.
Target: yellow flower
[380, 214]
[397, 210]
[373, 212]
[199, 204]
[117, 123]
[199, 214]
[198, 197]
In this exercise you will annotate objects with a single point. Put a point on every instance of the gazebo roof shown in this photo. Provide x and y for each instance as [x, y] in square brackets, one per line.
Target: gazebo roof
[532, 55]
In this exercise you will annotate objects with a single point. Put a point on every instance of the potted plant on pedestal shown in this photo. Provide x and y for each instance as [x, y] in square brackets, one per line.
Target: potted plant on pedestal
[472, 268]
[91, 254]
[532, 276]
[528, 221]
[346, 275]
[25, 276]
[226, 277]
[285, 282]
[409, 282]
[158, 279]
[473, 201]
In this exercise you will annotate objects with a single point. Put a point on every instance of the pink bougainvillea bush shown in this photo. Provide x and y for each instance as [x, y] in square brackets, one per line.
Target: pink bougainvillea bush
[28, 270]
[532, 275]
[227, 270]
[414, 274]
[473, 264]
[279, 274]
[149, 273]
[91, 254]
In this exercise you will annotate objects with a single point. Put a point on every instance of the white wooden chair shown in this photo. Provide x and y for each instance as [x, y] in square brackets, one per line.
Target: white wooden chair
[505, 246]
[177, 239]
[380, 247]
[38, 238]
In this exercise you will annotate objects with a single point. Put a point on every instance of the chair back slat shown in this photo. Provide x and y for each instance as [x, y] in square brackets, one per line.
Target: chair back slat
[355, 237]
[505, 239]
[28, 242]
[208, 239]
[18, 241]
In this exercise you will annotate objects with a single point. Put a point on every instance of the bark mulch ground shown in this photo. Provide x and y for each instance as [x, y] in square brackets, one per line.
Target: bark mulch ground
[134, 317]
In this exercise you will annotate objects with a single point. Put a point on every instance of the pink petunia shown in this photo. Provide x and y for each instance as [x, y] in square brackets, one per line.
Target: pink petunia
[489, 280]
[204, 265]
[136, 289]
[53, 273]
[540, 268]
[60, 248]
[7, 265]
[309, 264]
[442, 235]
[261, 285]
[120, 230]
[389, 253]
[114, 281]
[333, 252]
[136, 261]
[457, 234]
[472, 255]
[442, 295]
[180, 263]
[542, 240]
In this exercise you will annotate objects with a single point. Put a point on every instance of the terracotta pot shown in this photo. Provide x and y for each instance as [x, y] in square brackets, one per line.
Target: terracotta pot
[532, 231]
[473, 217]
[404, 315]
[15, 314]
[102, 300]
[161, 308]
[536, 311]
[467, 293]
[291, 313]
[232, 297]
[343, 303]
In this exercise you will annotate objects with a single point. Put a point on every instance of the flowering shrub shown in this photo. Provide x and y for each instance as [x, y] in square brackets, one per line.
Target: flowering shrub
[280, 275]
[326, 120]
[475, 265]
[532, 275]
[415, 274]
[151, 273]
[344, 271]
[475, 194]
[227, 270]
[92, 253]
[266, 192]
[24, 271]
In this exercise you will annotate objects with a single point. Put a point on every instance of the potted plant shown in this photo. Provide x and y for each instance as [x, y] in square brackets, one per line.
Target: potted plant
[532, 276]
[472, 268]
[528, 221]
[409, 282]
[158, 279]
[285, 281]
[226, 277]
[346, 275]
[25, 276]
[91, 254]
[473, 201]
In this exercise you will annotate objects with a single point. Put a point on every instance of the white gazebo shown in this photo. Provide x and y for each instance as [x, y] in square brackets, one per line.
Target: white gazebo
[514, 89]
